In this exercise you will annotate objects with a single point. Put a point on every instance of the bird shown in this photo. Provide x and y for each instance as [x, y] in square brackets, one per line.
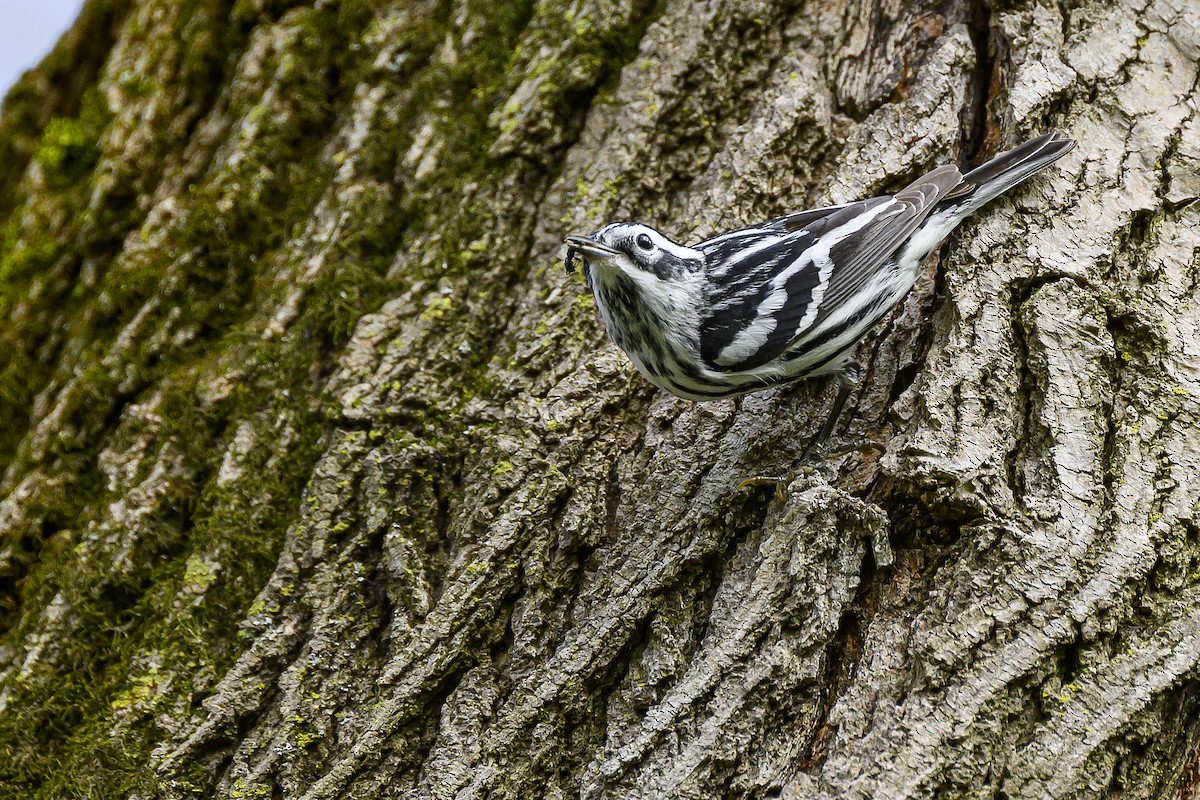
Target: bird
[786, 299]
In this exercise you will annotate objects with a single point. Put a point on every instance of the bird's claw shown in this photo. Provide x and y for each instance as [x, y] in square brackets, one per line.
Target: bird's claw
[780, 482]
[813, 455]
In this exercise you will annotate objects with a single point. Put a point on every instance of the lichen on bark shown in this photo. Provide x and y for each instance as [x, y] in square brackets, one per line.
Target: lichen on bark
[319, 479]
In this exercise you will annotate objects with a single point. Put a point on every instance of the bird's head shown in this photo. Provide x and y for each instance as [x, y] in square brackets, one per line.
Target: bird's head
[639, 251]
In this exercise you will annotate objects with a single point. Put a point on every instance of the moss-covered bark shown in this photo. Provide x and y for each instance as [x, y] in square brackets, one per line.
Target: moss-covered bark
[320, 480]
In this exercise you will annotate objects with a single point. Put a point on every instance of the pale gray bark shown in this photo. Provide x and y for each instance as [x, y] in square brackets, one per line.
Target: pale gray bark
[254, 542]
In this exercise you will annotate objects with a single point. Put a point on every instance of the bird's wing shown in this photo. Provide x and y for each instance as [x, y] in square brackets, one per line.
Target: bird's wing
[768, 284]
[857, 258]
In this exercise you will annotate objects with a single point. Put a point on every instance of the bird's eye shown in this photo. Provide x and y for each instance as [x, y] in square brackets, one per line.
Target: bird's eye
[645, 242]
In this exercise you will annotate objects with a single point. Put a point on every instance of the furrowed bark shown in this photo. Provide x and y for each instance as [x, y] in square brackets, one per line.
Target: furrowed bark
[319, 477]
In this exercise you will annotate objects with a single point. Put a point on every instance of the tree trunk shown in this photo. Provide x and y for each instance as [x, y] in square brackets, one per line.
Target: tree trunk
[321, 479]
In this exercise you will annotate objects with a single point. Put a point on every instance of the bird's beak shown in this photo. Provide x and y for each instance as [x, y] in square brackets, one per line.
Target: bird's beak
[588, 248]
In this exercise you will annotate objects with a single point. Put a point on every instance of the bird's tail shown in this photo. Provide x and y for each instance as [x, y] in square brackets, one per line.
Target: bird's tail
[1008, 169]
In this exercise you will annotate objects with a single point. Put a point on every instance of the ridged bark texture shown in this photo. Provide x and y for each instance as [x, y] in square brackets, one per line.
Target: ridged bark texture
[319, 477]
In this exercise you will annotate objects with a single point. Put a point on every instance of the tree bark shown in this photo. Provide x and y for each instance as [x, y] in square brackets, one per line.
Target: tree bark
[321, 479]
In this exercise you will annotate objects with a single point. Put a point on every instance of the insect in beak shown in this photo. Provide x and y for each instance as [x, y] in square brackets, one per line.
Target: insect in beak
[582, 246]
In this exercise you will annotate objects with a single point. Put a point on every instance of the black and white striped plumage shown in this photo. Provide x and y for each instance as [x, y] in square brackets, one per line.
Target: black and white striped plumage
[786, 299]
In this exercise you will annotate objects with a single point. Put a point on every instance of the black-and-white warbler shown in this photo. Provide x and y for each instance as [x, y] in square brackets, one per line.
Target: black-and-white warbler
[786, 299]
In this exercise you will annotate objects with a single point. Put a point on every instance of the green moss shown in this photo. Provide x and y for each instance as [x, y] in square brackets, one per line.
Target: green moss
[70, 147]
[197, 574]
[64, 725]
[241, 791]
[25, 252]
[139, 692]
[200, 289]
[437, 309]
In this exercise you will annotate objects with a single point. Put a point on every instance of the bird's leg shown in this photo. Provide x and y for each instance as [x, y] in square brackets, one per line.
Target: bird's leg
[815, 449]
[847, 380]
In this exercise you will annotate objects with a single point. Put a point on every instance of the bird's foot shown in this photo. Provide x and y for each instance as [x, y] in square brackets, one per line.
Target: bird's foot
[780, 482]
[816, 452]
[810, 459]
[859, 445]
